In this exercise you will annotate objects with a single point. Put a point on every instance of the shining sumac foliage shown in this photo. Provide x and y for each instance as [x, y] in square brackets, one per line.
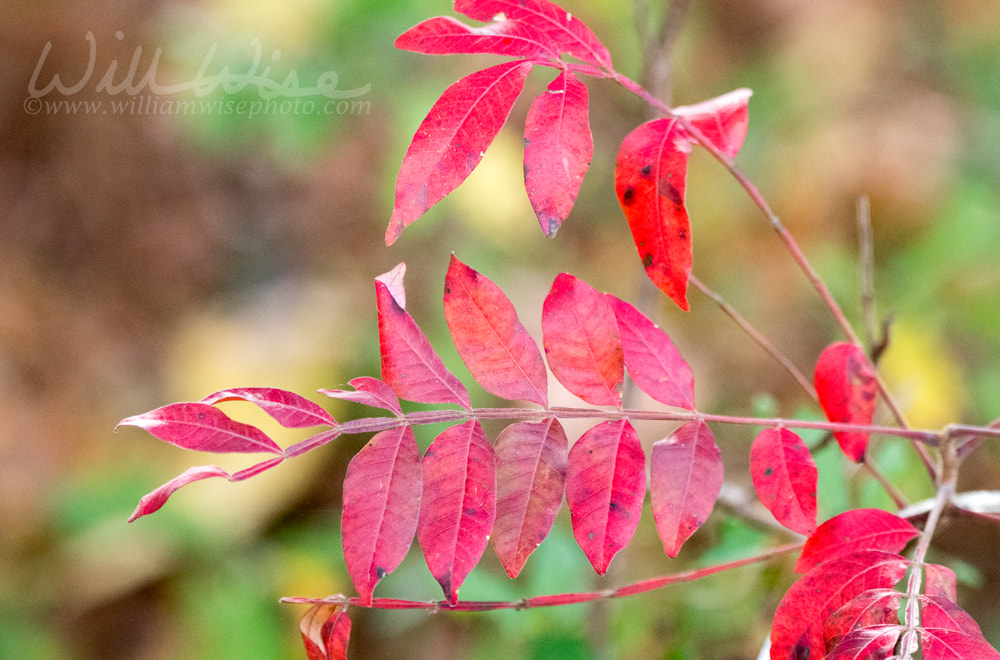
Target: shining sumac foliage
[858, 596]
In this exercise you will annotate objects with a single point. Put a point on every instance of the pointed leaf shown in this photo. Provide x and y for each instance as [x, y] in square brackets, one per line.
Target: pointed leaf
[651, 358]
[561, 29]
[452, 139]
[458, 507]
[650, 180]
[370, 392]
[797, 630]
[558, 147]
[851, 531]
[393, 279]
[326, 632]
[943, 614]
[939, 644]
[685, 480]
[847, 391]
[287, 408]
[722, 120]
[874, 643]
[531, 479]
[496, 348]
[410, 366]
[871, 608]
[382, 491]
[202, 427]
[940, 581]
[581, 341]
[153, 501]
[605, 486]
[784, 476]
[445, 35]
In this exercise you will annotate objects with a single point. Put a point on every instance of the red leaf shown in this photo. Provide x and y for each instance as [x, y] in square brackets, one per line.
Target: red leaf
[581, 341]
[605, 486]
[381, 505]
[797, 630]
[561, 29]
[722, 120]
[202, 427]
[496, 348]
[650, 180]
[370, 392]
[326, 632]
[784, 476]
[558, 147]
[458, 507]
[940, 644]
[874, 643]
[937, 612]
[153, 501]
[287, 408]
[531, 479]
[686, 478]
[445, 35]
[410, 366]
[651, 358]
[851, 531]
[940, 581]
[847, 391]
[874, 607]
[452, 139]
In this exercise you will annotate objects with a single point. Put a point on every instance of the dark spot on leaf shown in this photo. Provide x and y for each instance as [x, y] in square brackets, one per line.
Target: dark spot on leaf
[380, 572]
[647, 260]
[471, 511]
[768, 472]
[526, 143]
[669, 190]
[628, 196]
[646, 171]
[682, 234]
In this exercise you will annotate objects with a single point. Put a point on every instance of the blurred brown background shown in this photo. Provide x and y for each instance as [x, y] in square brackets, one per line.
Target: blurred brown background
[148, 257]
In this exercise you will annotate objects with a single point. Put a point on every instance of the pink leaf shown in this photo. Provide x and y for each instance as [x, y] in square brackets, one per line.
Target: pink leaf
[458, 507]
[851, 531]
[370, 392]
[650, 180]
[939, 644]
[797, 630]
[287, 408]
[943, 614]
[605, 486]
[560, 28]
[496, 348]
[410, 366]
[445, 35]
[531, 479]
[581, 341]
[847, 391]
[452, 139]
[202, 427]
[873, 643]
[784, 476]
[381, 506]
[153, 501]
[722, 120]
[326, 631]
[686, 478]
[874, 607]
[651, 358]
[558, 147]
[940, 581]
[393, 279]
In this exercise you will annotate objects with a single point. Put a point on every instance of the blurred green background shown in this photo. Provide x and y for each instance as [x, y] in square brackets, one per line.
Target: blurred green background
[154, 256]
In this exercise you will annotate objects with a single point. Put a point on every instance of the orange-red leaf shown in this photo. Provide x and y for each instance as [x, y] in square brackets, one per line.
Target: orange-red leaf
[847, 391]
[785, 476]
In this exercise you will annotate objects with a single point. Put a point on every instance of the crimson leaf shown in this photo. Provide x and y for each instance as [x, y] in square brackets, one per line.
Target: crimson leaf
[685, 479]
[561, 29]
[858, 529]
[410, 366]
[381, 506]
[785, 476]
[445, 35]
[581, 341]
[605, 486]
[452, 139]
[558, 147]
[496, 348]
[847, 391]
[458, 507]
[202, 427]
[326, 632]
[651, 358]
[531, 479]
[287, 408]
